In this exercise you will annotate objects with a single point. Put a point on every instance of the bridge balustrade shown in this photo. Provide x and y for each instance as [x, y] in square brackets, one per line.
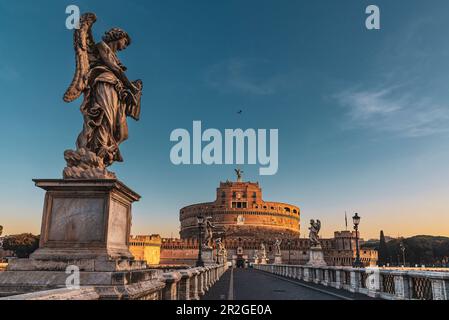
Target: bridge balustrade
[385, 283]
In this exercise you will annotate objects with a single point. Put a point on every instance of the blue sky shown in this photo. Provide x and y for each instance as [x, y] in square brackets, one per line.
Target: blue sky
[363, 116]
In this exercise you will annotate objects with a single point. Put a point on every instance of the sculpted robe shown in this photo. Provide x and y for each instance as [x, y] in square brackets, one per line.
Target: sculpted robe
[107, 102]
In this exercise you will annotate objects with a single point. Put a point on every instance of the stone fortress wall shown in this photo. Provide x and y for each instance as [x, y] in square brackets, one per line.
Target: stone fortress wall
[338, 251]
[147, 248]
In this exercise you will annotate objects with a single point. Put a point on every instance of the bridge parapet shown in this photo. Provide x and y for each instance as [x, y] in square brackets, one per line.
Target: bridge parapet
[185, 284]
[392, 284]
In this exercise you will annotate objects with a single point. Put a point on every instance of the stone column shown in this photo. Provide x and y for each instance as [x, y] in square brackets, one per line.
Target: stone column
[355, 280]
[338, 278]
[299, 273]
[184, 285]
[401, 284]
[206, 278]
[307, 276]
[440, 285]
[326, 280]
[171, 280]
[201, 281]
[292, 272]
[194, 284]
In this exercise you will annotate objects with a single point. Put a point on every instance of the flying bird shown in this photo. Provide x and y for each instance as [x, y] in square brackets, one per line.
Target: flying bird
[240, 111]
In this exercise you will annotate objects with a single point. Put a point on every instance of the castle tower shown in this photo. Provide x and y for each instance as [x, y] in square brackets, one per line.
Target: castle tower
[240, 212]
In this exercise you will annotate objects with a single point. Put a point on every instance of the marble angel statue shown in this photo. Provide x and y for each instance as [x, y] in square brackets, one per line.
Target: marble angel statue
[109, 97]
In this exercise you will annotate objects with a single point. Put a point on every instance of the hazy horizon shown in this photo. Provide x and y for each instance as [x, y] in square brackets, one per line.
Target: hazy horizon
[363, 115]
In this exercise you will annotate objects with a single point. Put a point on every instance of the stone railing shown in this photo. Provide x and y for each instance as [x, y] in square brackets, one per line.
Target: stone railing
[185, 284]
[374, 282]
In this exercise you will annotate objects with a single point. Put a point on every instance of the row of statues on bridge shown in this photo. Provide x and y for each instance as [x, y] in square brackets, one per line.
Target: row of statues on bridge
[314, 229]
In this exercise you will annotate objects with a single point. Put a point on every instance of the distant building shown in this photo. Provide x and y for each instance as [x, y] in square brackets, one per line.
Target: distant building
[244, 220]
[146, 248]
[240, 211]
[338, 251]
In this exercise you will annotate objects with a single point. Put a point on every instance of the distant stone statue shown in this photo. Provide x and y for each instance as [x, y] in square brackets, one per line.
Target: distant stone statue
[239, 173]
[208, 233]
[277, 246]
[109, 97]
[256, 254]
[263, 252]
[219, 245]
[313, 234]
[1, 230]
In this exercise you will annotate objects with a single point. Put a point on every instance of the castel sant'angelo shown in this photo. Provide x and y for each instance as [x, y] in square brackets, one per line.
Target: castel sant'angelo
[244, 221]
[240, 212]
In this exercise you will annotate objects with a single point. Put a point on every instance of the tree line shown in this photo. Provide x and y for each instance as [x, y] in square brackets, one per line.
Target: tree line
[417, 250]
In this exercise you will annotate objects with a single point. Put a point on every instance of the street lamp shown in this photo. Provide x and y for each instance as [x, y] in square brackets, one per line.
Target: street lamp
[356, 221]
[199, 261]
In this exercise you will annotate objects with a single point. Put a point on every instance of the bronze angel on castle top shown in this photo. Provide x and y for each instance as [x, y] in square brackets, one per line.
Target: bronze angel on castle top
[109, 97]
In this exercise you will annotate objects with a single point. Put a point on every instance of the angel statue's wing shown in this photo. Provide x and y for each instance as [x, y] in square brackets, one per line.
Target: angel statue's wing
[84, 45]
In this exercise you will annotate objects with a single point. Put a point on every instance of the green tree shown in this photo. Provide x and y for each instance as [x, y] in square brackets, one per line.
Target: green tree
[21, 244]
[383, 252]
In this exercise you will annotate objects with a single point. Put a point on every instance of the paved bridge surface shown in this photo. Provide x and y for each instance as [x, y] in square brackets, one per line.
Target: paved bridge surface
[250, 284]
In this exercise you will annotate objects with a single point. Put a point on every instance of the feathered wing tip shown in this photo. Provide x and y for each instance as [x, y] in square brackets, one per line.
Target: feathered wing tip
[83, 43]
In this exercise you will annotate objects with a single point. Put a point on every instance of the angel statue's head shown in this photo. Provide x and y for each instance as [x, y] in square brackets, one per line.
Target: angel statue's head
[117, 39]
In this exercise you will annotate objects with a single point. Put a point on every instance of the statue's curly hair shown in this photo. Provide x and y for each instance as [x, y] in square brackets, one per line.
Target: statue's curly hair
[116, 34]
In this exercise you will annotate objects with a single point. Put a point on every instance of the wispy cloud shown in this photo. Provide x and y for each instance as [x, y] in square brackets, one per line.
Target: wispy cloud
[389, 110]
[243, 75]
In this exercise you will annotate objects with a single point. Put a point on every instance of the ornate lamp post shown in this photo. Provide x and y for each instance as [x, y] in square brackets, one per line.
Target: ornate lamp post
[356, 221]
[199, 261]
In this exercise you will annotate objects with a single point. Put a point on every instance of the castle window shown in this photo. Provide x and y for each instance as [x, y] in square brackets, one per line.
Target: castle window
[287, 209]
[294, 211]
[223, 194]
[254, 195]
[244, 205]
[234, 204]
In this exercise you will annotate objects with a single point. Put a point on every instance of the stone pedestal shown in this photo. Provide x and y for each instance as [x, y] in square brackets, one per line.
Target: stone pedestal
[207, 256]
[316, 257]
[85, 219]
[85, 226]
[278, 259]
